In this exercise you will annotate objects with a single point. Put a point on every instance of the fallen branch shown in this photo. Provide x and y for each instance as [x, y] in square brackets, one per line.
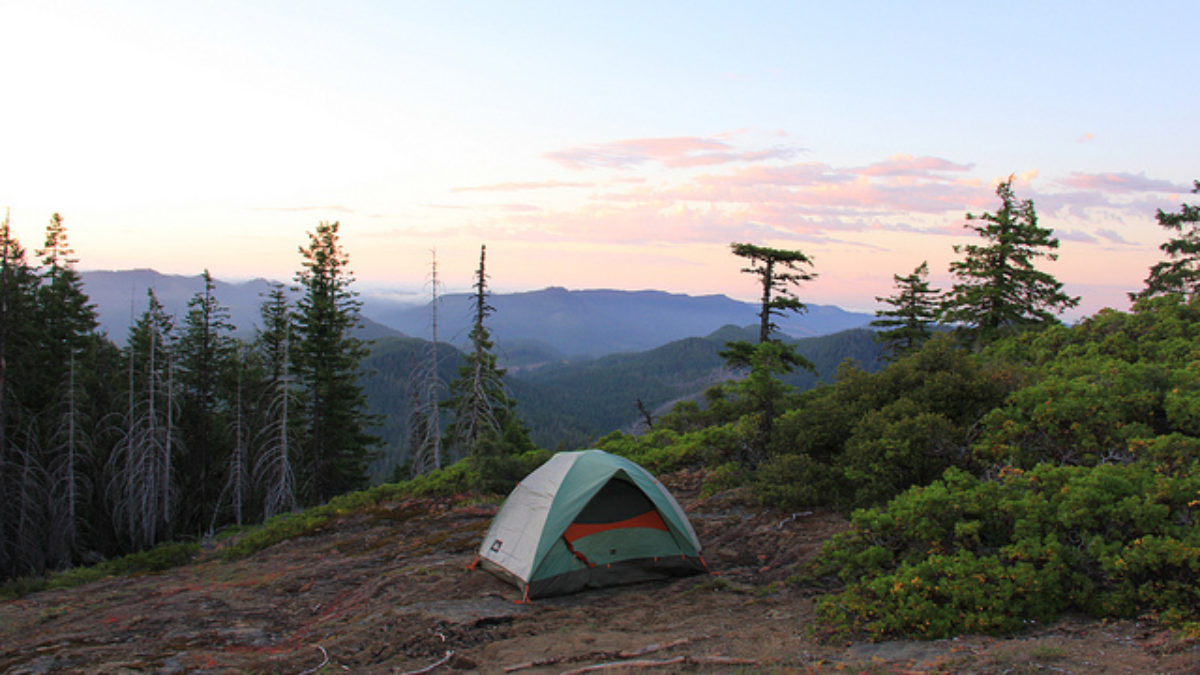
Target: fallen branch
[429, 668]
[324, 653]
[785, 521]
[594, 656]
[648, 663]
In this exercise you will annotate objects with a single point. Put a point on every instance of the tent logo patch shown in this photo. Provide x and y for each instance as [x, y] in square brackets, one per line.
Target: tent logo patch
[496, 546]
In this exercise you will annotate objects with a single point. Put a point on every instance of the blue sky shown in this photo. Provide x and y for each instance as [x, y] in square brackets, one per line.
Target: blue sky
[614, 145]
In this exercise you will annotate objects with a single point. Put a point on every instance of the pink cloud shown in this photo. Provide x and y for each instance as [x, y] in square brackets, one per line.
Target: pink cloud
[335, 208]
[819, 187]
[1121, 183]
[1075, 235]
[677, 152]
[1114, 237]
[907, 165]
[519, 208]
[529, 185]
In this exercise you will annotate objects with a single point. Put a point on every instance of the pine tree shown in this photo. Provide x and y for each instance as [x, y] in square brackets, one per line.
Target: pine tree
[915, 307]
[999, 291]
[484, 420]
[141, 467]
[424, 393]
[1180, 272]
[67, 326]
[336, 448]
[778, 270]
[22, 477]
[205, 354]
[274, 445]
[235, 495]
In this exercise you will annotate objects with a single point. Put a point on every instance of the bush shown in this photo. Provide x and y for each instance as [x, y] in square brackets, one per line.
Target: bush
[969, 555]
[162, 557]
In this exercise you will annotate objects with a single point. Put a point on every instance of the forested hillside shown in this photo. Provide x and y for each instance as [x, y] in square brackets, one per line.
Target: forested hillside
[182, 428]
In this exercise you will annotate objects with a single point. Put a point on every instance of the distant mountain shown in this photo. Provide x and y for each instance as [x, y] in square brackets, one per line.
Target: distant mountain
[120, 298]
[600, 322]
[550, 325]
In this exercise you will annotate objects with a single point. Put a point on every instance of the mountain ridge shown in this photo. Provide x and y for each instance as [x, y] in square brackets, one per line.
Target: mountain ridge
[574, 323]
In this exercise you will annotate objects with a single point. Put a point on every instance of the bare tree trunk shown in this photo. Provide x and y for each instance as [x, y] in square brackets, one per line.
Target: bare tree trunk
[273, 469]
[424, 426]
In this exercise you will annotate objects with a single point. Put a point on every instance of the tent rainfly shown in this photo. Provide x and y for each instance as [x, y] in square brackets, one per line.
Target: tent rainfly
[587, 519]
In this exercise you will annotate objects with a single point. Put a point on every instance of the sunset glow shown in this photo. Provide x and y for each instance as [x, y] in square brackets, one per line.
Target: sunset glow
[606, 145]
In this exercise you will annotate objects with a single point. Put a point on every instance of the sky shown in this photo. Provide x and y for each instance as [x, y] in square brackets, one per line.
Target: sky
[598, 144]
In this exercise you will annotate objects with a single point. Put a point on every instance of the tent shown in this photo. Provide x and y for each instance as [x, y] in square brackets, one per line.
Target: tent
[587, 519]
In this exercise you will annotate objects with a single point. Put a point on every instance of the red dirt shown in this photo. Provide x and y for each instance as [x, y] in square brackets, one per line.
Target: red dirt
[387, 590]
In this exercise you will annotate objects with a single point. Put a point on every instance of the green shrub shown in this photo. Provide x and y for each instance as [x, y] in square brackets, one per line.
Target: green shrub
[665, 450]
[162, 557]
[786, 481]
[724, 477]
[969, 555]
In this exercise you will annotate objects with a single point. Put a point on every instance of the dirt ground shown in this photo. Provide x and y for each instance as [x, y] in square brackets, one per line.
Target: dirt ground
[388, 590]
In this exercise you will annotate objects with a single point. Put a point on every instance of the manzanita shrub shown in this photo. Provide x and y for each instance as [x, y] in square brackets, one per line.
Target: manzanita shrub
[971, 555]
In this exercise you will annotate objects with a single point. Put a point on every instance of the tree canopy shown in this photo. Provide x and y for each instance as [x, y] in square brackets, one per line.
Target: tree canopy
[998, 289]
[778, 270]
[1180, 272]
[915, 307]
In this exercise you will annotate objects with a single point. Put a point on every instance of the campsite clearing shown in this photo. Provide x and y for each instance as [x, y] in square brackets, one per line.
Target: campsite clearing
[386, 590]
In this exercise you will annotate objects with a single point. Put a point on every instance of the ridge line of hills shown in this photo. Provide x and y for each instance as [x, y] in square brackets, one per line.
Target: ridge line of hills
[577, 361]
[576, 323]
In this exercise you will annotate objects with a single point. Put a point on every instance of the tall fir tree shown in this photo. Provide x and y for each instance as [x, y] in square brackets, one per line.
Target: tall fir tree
[915, 307]
[206, 352]
[22, 477]
[484, 422]
[778, 271]
[275, 442]
[999, 291]
[68, 327]
[336, 448]
[424, 393]
[1180, 272]
[142, 466]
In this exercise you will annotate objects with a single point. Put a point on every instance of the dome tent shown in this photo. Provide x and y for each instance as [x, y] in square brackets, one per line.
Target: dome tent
[587, 519]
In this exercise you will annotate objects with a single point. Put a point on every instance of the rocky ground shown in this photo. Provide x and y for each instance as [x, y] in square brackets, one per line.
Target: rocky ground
[388, 590]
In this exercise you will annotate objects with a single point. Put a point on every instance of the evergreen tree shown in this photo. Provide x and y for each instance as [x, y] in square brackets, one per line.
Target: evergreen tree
[336, 447]
[424, 393]
[236, 491]
[22, 477]
[141, 468]
[67, 327]
[1180, 273]
[485, 425]
[206, 354]
[778, 270]
[274, 443]
[914, 308]
[999, 290]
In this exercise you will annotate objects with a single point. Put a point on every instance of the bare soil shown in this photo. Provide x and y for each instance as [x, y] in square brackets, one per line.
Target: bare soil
[388, 590]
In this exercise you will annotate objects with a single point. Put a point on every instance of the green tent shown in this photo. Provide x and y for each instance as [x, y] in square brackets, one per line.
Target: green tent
[587, 519]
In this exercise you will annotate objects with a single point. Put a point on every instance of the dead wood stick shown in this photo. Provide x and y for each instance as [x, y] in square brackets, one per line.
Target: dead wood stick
[597, 655]
[658, 647]
[649, 663]
[322, 664]
[429, 668]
